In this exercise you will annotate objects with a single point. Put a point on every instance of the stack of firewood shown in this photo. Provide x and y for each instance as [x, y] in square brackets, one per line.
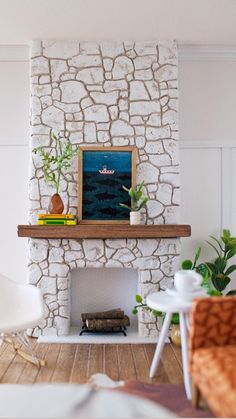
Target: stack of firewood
[111, 320]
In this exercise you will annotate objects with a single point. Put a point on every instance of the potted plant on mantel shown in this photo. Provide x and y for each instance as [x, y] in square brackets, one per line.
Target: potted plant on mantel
[54, 162]
[138, 201]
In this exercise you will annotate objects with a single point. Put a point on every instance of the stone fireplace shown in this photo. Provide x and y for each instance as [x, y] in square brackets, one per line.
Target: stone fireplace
[109, 94]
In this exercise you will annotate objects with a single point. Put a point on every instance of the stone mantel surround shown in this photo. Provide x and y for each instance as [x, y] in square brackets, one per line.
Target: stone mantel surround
[110, 94]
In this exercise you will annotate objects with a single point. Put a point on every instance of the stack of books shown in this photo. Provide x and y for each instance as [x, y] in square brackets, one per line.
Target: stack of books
[57, 219]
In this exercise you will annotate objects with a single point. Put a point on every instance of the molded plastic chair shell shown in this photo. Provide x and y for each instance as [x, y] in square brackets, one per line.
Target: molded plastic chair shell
[21, 306]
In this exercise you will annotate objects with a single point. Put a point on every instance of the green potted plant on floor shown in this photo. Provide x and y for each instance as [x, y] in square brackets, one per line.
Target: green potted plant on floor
[55, 161]
[216, 274]
[138, 201]
[220, 270]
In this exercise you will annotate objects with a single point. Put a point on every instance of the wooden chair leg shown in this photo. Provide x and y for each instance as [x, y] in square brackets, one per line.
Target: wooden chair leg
[196, 395]
[29, 354]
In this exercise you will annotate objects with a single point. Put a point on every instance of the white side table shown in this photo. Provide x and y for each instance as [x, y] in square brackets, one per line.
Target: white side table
[161, 301]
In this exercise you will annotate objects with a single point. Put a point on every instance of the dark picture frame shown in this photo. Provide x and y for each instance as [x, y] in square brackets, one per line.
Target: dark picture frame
[102, 172]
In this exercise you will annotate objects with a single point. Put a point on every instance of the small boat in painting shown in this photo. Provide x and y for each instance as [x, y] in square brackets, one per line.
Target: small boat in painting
[106, 171]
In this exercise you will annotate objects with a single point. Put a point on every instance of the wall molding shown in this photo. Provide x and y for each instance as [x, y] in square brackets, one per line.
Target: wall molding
[187, 52]
[14, 145]
[224, 144]
[207, 52]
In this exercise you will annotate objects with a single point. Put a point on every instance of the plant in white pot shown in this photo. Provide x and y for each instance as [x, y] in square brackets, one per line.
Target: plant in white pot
[138, 201]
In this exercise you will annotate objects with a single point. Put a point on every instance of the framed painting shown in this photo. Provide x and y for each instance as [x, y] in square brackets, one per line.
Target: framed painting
[102, 173]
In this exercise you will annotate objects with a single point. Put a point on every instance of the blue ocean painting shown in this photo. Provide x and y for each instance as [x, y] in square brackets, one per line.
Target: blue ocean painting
[104, 173]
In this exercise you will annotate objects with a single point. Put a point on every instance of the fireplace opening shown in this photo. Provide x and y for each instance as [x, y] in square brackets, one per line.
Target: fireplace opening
[102, 289]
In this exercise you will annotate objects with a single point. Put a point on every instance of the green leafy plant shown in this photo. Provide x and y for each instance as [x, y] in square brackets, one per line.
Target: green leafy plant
[141, 305]
[202, 269]
[137, 199]
[225, 249]
[215, 275]
[188, 264]
[56, 160]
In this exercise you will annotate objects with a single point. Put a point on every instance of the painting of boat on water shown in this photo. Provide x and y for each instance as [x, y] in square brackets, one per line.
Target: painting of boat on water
[102, 173]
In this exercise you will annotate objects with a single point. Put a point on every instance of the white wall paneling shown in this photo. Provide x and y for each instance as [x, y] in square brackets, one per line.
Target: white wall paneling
[207, 92]
[207, 86]
[227, 184]
[200, 195]
[14, 163]
[13, 210]
[232, 187]
[208, 200]
[14, 102]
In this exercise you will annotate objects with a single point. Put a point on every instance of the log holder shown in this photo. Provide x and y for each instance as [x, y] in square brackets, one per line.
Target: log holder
[120, 329]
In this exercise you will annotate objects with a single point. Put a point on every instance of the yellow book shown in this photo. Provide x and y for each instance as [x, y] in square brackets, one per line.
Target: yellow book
[57, 222]
[56, 216]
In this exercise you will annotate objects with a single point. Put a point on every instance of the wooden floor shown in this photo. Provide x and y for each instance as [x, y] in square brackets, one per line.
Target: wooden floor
[73, 363]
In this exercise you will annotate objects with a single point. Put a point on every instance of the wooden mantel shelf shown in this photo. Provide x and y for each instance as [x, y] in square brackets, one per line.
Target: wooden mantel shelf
[105, 231]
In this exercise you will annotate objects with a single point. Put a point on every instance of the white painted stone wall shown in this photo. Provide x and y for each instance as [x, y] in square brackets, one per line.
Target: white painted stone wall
[107, 94]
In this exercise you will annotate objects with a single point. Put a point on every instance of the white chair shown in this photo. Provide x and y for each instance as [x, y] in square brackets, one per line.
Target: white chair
[21, 307]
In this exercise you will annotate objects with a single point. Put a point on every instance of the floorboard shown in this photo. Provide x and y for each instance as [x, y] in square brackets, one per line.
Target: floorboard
[64, 364]
[45, 374]
[161, 375]
[141, 363]
[75, 363]
[30, 372]
[8, 358]
[178, 355]
[96, 360]
[126, 363]
[172, 369]
[79, 371]
[111, 366]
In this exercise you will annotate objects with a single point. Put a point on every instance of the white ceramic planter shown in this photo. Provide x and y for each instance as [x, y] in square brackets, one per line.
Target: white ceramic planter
[135, 217]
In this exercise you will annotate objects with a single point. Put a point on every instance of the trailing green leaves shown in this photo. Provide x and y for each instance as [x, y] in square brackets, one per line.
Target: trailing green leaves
[138, 298]
[156, 313]
[187, 264]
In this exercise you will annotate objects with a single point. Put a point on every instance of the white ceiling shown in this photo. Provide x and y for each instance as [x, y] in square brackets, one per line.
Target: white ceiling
[188, 21]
